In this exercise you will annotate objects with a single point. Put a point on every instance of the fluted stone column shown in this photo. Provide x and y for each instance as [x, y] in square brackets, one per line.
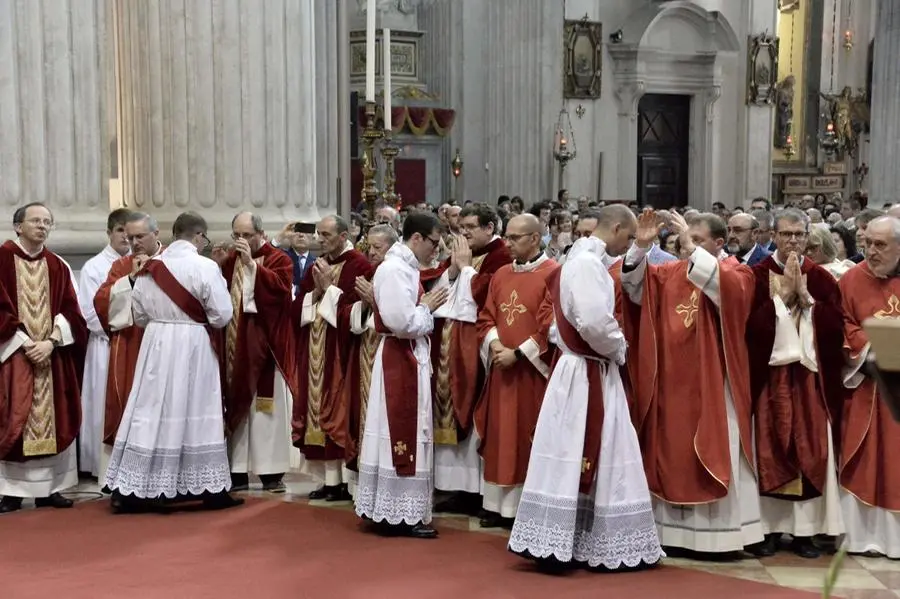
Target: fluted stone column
[218, 109]
[885, 141]
[55, 133]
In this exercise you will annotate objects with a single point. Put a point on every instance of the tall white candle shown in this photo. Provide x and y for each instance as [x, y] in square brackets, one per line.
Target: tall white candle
[386, 70]
[370, 51]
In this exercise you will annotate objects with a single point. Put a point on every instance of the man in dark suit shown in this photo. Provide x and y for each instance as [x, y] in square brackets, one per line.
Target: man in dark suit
[742, 231]
[766, 222]
[296, 246]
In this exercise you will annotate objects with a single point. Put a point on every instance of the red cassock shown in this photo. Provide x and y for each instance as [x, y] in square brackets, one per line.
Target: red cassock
[256, 345]
[793, 405]
[686, 350]
[518, 308]
[36, 280]
[458, 374]
[320, 419]
[870, 436]
[124, 346]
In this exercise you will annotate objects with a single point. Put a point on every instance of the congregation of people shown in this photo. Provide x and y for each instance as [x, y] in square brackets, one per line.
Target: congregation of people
[610, 384]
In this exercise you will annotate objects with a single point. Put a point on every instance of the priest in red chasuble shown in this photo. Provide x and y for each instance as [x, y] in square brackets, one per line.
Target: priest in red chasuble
[871, 438]
[357, 379]
[795, 338]
[43, 338]
[458, 375]
[113, 305]
[513, 330]
[692, 407]
[322, 309]
[395, 461]
[260, 354]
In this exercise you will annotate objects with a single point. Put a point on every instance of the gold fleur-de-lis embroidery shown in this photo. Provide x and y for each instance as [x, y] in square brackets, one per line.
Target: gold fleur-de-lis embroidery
[512, 308]
[400, 448]
[689, 311]
[893, 309]
[585, 465]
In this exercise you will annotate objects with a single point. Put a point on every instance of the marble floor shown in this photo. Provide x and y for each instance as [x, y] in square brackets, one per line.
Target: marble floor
[860, 577]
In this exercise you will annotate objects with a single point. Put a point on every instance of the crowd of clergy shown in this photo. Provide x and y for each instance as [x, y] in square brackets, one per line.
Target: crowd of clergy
[556, 374]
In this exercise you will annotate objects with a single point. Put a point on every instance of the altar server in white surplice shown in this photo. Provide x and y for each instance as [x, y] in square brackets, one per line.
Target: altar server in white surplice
[585, 498]
[395, 463]
[171, 441]
[96, 363]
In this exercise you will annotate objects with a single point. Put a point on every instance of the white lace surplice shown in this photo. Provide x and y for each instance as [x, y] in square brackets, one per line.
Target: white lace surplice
[612, 526]
[171, 440]
[96, 363]
[382, 495]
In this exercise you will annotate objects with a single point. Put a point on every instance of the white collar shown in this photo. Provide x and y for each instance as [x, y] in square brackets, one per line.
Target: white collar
[29, 254]
[109, 252]
[746, 256]
[180, 247]
[401, 250]
[530, 266]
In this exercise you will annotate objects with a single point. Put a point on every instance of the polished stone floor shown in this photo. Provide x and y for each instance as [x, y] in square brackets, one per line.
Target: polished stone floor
[860, 577]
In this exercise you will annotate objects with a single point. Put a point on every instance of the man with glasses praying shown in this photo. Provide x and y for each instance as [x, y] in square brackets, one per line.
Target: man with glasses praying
[171, 441]
[322, 315]
[795, 344]
[476, 255]
[112, 304]
[43, 338]
[260, 357]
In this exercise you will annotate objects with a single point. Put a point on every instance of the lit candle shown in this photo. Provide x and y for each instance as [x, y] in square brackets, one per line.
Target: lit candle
[370, 51]
[386, 70]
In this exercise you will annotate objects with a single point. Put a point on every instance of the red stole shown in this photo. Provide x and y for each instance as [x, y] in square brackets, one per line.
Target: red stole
[679, 405]
[401, 395]
[265, 340]
[593, 428]
[793, 405]
[66, 363]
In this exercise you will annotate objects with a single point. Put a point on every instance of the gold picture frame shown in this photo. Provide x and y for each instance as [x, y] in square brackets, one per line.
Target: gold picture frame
[762, 69]
[583, 47]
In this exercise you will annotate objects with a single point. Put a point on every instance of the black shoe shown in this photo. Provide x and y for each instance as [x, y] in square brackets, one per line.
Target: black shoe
[491, 520]
[767, 548]
[240, 481]
[468, 504]
[55, 500]
[221, 501]
[321, 493]
[275, 486]
[803, 546]
[339, 493]
[423, 531]
[10, 504]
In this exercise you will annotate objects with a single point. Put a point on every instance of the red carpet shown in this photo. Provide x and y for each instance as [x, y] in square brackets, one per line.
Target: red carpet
[269, 549]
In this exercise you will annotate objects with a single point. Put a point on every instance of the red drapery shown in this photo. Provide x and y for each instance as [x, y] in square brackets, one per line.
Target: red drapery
[415, 120]
[411, 181]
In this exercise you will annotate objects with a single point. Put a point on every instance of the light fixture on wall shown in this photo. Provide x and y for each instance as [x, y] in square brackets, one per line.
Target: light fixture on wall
[789, 150]
[456, 165]
[564, 149]
[848, 33]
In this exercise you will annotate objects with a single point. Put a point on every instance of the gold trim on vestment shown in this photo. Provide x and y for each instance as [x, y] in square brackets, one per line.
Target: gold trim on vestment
[265, 405]
[33, 296]
[367, 349]
[444, 419]
[318, 330]
[794, 488]
[237, 297]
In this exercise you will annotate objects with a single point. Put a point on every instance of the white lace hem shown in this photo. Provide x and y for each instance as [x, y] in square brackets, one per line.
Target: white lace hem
[382, 496]
[150, 473]
[570, 530]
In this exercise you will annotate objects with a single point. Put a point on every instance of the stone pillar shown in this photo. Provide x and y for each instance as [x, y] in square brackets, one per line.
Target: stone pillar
[759, 131]
[885, 141]
[218, 110]
[55, 138]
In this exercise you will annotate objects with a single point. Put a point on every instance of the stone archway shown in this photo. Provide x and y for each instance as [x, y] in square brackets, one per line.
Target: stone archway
[671, 48]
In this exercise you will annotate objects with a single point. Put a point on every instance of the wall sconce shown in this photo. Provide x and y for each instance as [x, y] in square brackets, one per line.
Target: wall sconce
[456, 165]
[848, 40]
[564, 149]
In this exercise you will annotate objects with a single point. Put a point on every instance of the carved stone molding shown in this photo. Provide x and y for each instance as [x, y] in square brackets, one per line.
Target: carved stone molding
[712, 96]
[628, 94]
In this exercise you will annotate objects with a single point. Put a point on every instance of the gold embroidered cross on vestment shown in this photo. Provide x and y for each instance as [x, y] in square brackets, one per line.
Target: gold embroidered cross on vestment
[893, 309]
[689, 311]
[512, 308]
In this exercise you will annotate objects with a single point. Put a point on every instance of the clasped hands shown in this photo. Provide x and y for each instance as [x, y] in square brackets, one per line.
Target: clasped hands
[793, 290]
[460, 256]
[38, 353]
[502, 356]
[323, 277]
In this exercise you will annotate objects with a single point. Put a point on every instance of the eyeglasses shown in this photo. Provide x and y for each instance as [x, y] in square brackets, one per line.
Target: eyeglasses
[515, 238]
[792, 234]
[246, 236]
[738, 230]
[206, 241]
[434, 242]
[37, 222]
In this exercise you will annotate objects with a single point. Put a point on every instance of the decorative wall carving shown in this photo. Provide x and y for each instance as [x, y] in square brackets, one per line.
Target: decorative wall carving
[583, 59]
[762, 69]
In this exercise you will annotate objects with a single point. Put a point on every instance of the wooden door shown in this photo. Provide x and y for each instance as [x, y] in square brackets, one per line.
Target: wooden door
[664, 122]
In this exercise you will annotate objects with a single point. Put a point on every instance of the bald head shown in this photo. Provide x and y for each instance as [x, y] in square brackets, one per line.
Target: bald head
[885, 225]
[894, 211]
[244, 220]
[615, 214]
[524, 224]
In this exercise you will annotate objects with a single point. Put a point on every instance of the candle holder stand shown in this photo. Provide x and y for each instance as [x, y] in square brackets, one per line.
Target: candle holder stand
[369, 167]
[389, 152]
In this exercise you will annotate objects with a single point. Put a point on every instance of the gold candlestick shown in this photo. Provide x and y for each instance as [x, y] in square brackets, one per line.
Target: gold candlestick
[370, 137]
[389, 152]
